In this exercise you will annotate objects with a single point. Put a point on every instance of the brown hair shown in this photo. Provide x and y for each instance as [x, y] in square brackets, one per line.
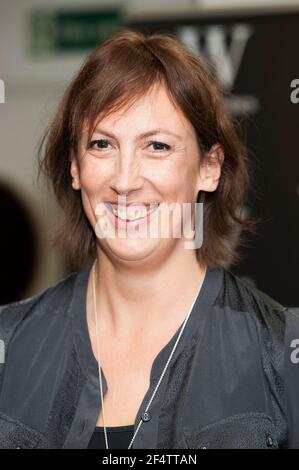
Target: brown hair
[115, 74]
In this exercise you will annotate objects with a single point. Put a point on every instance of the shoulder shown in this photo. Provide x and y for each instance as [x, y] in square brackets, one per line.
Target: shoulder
[242, 295]
[276, 325]
[238, 295]
[51, 299]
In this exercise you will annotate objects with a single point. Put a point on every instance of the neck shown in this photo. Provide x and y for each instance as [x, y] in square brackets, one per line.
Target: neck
[135, 300]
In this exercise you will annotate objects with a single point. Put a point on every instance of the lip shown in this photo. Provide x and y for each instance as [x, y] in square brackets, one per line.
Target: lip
[123, 224]
[141, 203]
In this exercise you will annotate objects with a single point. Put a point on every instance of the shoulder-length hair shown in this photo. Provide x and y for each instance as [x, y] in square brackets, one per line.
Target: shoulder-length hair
[114, 75]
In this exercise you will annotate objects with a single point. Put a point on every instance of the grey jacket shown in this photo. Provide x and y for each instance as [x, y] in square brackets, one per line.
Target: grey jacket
[233, 381]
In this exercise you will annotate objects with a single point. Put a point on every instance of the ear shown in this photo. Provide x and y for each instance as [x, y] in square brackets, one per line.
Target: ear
[75, 173]
[210, 170]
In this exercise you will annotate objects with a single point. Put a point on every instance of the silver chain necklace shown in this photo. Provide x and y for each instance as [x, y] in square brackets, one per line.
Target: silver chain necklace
[165, 368]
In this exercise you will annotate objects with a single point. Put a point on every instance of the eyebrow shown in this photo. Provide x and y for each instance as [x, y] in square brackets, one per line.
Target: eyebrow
[141, 136]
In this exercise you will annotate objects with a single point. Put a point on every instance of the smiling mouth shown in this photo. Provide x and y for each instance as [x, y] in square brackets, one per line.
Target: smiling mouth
[131, 213]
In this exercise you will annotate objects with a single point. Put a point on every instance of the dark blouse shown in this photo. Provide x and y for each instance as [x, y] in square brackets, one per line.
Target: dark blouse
[232, 382]
[119, 437]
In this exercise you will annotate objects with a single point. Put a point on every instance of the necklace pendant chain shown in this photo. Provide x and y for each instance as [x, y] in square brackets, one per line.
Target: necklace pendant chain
[164, 370]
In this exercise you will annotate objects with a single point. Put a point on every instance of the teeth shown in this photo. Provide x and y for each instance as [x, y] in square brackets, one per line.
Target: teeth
[132, 212]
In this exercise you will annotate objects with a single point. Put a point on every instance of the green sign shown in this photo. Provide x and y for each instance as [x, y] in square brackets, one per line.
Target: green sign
[60, 31]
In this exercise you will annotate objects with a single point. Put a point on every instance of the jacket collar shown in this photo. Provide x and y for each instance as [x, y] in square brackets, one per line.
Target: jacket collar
[205, 299]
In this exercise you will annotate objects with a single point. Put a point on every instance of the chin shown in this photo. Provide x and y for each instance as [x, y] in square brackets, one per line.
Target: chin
[132, 250]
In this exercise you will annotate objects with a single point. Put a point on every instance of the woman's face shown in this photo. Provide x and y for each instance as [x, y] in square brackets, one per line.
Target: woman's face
[161, 167]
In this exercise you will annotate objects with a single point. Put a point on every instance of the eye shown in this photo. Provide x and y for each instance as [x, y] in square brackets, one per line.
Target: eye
[160, 145]
[97, 144]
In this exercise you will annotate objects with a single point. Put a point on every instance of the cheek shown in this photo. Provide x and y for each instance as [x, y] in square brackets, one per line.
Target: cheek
[179, 182]
[90, 184]
[91, 178]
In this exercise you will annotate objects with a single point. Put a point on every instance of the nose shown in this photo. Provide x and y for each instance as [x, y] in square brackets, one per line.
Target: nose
[126, 175]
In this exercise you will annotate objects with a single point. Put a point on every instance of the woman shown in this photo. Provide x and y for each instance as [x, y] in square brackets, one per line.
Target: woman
[154, 343]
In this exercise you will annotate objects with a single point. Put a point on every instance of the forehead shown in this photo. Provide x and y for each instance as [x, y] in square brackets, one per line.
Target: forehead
[154, 109]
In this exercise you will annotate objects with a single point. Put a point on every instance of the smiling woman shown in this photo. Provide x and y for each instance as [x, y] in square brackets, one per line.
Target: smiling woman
[163, 113]
[130, 164]
[153, 343]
